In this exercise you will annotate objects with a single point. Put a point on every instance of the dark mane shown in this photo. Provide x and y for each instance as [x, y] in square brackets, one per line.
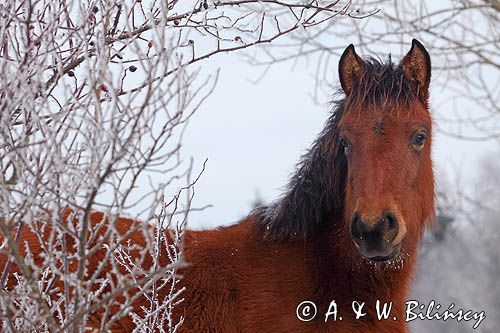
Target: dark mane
[316, 189]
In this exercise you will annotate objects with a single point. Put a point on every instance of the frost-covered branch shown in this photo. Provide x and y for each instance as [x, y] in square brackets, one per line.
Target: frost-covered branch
[94, 100]
[464, 43]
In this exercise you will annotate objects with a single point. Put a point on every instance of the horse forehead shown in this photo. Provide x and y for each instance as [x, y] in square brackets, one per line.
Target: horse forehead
[377, 123]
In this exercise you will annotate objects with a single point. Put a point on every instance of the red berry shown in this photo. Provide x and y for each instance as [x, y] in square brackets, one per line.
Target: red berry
[104, 88]
[176, 22]
[150, 44]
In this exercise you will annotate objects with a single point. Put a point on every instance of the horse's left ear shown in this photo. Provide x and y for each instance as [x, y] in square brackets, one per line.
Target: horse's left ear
[417, 66]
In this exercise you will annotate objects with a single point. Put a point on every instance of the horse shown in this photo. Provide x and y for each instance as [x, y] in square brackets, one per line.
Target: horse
[344, 235]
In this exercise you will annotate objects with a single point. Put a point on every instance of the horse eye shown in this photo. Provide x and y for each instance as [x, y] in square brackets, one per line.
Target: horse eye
[419, 140]
[346, 144]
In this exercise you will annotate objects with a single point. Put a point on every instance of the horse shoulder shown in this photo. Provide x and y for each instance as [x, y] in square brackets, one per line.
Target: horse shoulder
[212, 279]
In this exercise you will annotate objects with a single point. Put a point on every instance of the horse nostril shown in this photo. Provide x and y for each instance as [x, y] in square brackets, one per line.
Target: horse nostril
[391, 226]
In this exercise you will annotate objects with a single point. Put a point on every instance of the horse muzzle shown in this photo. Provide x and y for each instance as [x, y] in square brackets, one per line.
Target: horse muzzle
[374, 239]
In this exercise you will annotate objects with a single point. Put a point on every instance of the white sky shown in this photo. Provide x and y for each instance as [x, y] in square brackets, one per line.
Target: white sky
[254, 134]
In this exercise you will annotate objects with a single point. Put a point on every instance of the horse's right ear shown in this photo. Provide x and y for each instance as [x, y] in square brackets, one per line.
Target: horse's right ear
[350, 69]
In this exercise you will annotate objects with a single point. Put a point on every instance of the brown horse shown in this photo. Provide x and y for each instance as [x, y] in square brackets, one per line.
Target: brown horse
[347, 229]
